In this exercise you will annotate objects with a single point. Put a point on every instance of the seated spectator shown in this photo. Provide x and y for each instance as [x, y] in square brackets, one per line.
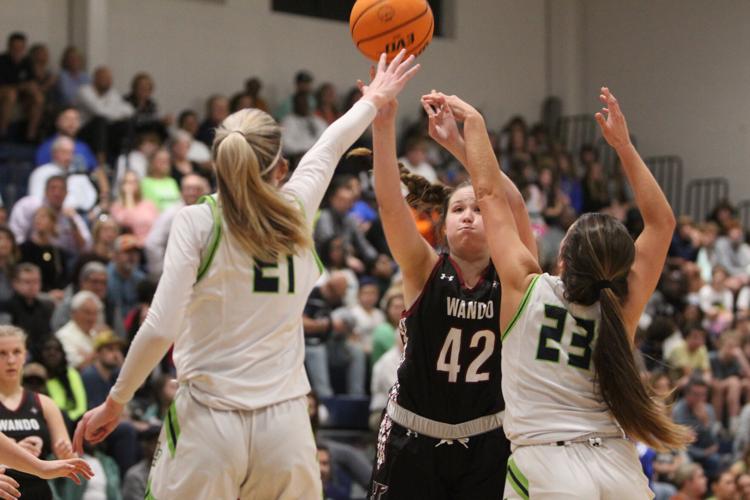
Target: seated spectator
[252, 88]
[123, 275]
[135, 483]
[105, 114]
[384, 336]
[717, 302]
[334, 220]
[71, 232]
[198, 152]
[303, 82]
[325, 103]
[724, 215]
[691, 357]
[691, 482]
[26, 309]
[300, 128]
[8, 258]
[77, 335]
[182, 165]
[239, 101]
[415, 159]
[92, 278]
[366, 315]
[64, 384]
[336, 256]
[570, 184]
[743, 486]
[136, 160]
[131, 210]
[686, 241]
[217, 108]
[694, 411]
[105, 231]
[67, 124]
[332, 490]
[734, 255]
[146, 114]
[321, 326]
[731, 378]
[72, 76]
[82, 194]
[17, 85]
[98, 379]
[192, 187]
[49, 258]
[42, 75]
[158, 185]
[384, 375]
[743, 303]
[707, 258]
[724, 487]
[595, 188]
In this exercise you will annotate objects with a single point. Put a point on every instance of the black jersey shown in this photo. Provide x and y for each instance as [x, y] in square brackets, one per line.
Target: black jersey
[451, 367]
[27, 420]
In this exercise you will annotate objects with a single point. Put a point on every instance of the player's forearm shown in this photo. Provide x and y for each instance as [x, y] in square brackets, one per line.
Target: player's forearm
[386, 175]
[649, 198]
[15, 457]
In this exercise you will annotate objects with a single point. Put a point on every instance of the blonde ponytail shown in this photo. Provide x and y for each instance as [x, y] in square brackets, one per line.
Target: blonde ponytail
[264, 222]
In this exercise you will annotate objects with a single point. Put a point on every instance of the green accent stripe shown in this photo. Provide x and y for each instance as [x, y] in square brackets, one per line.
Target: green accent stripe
[520, 307]
[172, 429]
[215, 236]
[149, 495]
[517, 480]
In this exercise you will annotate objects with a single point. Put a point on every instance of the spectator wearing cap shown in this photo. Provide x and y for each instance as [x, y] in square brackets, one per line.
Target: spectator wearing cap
[98, 379]
[77, 335]
[123, 274]
[136, 478]
[303, 82]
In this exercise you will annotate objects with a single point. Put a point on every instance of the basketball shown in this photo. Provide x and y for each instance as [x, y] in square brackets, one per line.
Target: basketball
[388, 26]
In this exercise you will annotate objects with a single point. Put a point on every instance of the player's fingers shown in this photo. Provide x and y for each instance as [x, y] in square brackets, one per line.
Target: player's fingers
[428, 109]
[373, 72]
[600, 119]
[396, 61]
[404, 66]
[410, 73]
[381, 63]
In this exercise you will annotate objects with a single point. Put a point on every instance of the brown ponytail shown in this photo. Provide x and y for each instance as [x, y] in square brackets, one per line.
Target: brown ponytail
[597, 255]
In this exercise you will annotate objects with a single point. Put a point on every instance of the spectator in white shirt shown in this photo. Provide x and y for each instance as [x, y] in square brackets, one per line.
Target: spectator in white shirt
[105, 114]
[384, 375]
[717, 301]
[366, 314]
[301, 128]
[415, 159]
[82, 194]
[77, 335]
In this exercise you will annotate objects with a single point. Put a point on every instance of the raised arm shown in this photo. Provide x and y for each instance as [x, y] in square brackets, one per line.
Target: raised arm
[311, 177]
[444, 130]
[515, 264]
[658, 219]
[414, 255]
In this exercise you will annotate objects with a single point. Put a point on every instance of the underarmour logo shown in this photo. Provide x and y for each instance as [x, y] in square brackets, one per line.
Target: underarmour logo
[444, 276]
[378, 490]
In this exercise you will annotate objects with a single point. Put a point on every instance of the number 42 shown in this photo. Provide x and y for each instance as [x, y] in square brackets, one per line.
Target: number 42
[449, 355]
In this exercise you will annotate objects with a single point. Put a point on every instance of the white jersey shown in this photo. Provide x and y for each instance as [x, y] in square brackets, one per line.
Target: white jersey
[237, 333]
[548, 369]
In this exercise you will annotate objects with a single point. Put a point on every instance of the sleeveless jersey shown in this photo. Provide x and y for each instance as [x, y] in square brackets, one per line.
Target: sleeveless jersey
[27, 420]
[548, 370]
[451, 367]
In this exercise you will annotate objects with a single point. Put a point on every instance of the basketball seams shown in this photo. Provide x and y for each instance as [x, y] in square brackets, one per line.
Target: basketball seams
[367, 9]
[395, 28]
[425, 41]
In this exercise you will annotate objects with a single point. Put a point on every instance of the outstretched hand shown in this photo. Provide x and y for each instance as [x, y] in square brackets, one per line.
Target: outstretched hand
[443, 127]
[612, 121]
[461, 110]
[71, 468]
[388, 80]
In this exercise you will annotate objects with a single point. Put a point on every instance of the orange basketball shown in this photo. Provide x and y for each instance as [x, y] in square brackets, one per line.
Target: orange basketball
[388, 26]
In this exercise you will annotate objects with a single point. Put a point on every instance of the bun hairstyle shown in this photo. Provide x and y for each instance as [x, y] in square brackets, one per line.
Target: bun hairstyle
[597, 255]
[246, 149]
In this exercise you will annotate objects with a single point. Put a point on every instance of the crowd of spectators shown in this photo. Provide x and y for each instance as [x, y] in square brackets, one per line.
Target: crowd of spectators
[81, 252]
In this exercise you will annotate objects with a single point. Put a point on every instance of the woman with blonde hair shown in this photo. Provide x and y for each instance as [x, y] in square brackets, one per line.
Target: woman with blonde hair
[237, 274]
[132, 210]
[34, 422]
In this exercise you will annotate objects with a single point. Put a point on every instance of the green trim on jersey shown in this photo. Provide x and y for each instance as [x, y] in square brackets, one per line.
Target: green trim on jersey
[517, 480]
[172, 429]
[148, 494]
[521, 307]
[215, 236]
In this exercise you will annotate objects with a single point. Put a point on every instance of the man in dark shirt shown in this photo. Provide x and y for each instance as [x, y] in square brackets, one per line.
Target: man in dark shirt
[16, 85]
[25, 309]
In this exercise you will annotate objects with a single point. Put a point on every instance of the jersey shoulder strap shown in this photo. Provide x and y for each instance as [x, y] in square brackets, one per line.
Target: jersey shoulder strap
[213, 243]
